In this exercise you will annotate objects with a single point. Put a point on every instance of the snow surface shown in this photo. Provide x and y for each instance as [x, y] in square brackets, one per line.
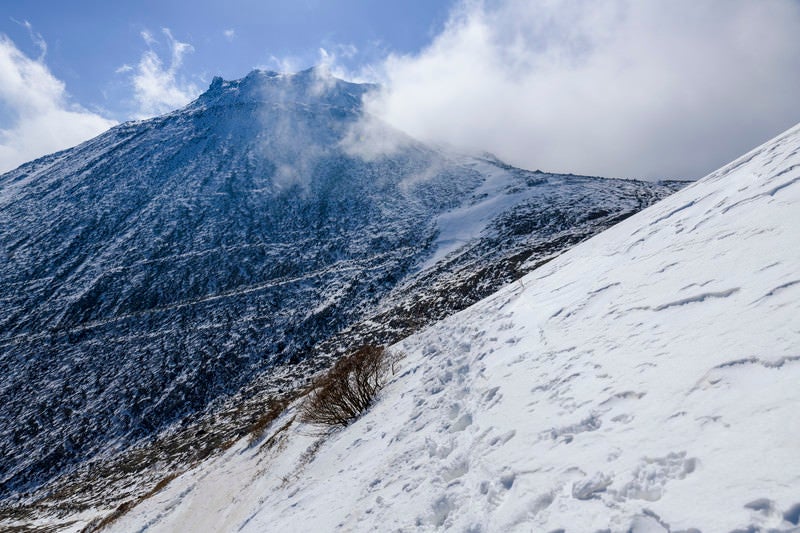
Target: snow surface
[462, 224]
[647, 380]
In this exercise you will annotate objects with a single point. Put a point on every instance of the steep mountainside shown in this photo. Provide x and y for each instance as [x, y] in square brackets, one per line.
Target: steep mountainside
[152, 272]
[645, 381]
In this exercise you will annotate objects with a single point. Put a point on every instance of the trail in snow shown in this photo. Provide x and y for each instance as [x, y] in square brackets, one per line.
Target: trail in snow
[645, 381]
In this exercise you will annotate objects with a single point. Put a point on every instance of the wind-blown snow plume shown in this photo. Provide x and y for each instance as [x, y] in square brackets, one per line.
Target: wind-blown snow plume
[614, 87]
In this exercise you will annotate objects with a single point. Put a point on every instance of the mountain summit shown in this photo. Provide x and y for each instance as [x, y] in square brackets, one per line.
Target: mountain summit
[152, 272]
[314, 86]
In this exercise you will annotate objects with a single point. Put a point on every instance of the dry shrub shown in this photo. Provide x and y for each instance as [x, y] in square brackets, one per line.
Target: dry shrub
[340, 396]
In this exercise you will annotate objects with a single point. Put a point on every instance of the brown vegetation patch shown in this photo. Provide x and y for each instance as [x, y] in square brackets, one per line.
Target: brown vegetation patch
[345, 391]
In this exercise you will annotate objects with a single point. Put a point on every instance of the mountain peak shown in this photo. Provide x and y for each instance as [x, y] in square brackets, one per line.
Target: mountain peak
[315, 85]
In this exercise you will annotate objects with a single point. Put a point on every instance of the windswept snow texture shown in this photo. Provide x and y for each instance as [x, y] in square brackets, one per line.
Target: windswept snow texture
[645, 381]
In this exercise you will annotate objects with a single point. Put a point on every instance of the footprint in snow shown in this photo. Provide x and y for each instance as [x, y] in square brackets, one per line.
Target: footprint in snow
[491, 398]
[653, 474]
[461, 424]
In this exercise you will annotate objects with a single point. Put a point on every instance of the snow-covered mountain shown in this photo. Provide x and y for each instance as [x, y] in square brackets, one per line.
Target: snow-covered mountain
[159, 282]
[644, 381]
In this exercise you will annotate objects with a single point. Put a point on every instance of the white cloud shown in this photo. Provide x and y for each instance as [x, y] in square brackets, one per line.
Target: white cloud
[39, 117]
[230, 34]
[286, 64]
[328, 60]
[148, 38]
[35, 36]
[611, 87]
[159, 88]
[369, 139]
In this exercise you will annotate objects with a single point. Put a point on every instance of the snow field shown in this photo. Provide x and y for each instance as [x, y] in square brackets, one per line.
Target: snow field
[645, 381]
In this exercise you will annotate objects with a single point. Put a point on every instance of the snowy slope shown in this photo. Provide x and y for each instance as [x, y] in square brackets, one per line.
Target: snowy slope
[153, 272]
[645, 381]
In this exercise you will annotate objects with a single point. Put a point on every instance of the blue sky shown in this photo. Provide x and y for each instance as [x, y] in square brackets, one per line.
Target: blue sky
[89, 40]
[617, 88]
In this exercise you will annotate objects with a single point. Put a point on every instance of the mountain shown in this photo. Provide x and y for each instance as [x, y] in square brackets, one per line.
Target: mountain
[158, 277]
[643, 381]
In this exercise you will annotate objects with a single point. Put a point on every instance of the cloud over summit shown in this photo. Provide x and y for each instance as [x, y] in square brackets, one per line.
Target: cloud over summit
[609, 87]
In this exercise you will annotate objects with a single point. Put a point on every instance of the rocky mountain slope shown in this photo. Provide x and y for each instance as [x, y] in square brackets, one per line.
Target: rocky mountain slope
[155, 278]
[645, 381]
